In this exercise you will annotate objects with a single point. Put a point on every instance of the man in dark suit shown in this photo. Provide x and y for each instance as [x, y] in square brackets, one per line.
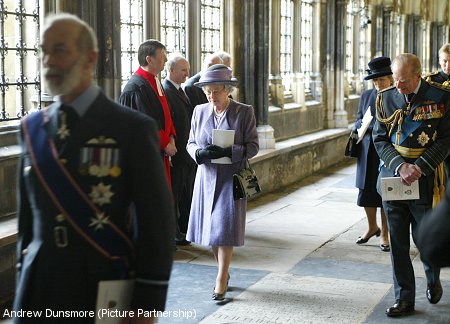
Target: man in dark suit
[195, 94]
[412, 138]
[84, 161]
[183, 167]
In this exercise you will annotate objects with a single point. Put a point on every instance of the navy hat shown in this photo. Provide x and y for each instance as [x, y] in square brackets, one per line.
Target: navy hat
[378, 67]
[217, 74]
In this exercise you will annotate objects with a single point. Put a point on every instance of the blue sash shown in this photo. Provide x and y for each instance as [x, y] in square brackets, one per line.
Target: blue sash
[69, 198]
[409, 125]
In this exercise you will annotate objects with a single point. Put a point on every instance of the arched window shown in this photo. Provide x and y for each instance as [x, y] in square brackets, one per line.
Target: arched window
[210, 26]
[20, 86]
[132, 30]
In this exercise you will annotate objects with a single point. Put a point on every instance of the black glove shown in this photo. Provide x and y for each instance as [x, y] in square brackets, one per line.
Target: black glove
[208, 154]
[223, 151]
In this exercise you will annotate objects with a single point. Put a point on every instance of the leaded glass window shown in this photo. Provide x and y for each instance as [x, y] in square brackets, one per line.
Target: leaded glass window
[306, 42]
[131, 34]
[286, 43]
[20, 86]
[349, 43]
[210, 26]
[173, 25]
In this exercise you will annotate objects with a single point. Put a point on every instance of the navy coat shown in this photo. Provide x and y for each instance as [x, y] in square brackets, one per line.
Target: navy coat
[365, 168]
[66, 277]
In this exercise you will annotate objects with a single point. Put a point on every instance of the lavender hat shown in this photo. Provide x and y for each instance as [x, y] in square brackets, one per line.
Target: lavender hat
[216, 74]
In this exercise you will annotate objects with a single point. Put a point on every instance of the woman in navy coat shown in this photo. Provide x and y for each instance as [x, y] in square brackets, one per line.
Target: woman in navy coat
[368, 161]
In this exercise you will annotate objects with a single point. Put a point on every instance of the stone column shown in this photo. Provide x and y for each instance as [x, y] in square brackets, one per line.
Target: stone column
[193, 31]
[335, 116]
[109, 59]
[152, 29]
[251, 60]
[104, 18]
[340, 115]
[276, 85]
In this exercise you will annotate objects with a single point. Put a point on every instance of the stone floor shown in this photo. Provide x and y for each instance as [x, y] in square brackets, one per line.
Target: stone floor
[300, 264]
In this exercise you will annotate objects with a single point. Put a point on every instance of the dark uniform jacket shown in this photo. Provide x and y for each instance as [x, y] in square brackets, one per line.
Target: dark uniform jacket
[62, 273]
[432, 133]
[441, 78]
[194, 93]
[434, 234]
[438, 77]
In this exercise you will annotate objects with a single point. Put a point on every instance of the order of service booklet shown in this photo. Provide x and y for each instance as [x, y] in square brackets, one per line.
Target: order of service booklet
[113, 296]
[223, 138]
[367, 118]
[392, 188]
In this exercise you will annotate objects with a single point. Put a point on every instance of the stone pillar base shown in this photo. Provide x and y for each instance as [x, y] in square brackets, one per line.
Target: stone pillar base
[341, 119]
[265, 136]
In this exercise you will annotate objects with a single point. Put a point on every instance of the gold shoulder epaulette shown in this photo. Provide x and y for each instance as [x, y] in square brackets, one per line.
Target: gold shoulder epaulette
[429, 75]
[444, 87]
[388, 88]
[432, 73]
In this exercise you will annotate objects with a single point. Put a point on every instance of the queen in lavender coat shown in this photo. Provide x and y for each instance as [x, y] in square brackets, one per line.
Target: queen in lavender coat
[216, 219]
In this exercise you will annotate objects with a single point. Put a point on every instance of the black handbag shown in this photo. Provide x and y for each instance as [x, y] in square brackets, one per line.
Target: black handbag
[245, 183]
[352, 149]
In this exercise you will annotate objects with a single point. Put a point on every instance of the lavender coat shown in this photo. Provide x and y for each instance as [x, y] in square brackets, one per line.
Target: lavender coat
[216, 219]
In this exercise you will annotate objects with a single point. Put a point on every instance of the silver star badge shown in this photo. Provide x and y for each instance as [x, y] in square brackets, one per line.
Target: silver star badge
[63, 132]
[101, 194]
[99, 221]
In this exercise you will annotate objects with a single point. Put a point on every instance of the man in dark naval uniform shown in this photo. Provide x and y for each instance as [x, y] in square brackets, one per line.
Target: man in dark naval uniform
[443, 77]
[434, 234]
[412, 138]
[84, 160]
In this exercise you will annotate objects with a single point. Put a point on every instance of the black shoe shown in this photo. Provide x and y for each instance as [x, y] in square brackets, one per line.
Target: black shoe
[219, 296]
[182, 242]
[400, 308]
[385, 247]
[362, 240]
[434, 292]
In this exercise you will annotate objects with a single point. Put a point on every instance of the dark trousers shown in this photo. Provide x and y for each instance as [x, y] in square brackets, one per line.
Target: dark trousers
[183, 177]
[400, 215]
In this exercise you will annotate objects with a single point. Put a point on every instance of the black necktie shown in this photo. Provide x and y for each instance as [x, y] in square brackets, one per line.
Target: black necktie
[67, 119]
[409, 97]
[183, 94]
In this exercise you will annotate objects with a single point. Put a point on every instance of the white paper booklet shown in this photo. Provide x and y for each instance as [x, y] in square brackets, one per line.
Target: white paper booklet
[113, 295]
[367, 118]
[392, 188]
[223, 138]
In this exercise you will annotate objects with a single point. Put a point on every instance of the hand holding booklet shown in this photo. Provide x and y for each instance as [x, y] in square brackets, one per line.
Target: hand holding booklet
[392, 188]
[223, 138]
